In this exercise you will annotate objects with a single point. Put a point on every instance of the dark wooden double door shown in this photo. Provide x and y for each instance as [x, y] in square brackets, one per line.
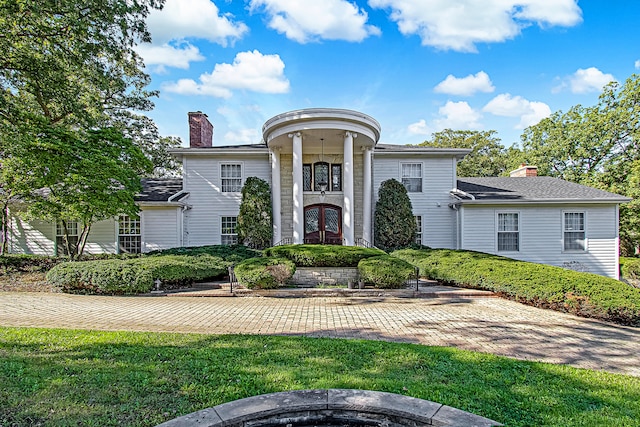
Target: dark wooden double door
[323, 224]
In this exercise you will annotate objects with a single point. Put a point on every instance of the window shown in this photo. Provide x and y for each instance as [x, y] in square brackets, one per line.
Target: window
[336, 177]
[129, 236]
[412, 177]
[231, 176]
[418, 229]
[320, 174]
[574, 231]
[72, 229]
[229, 236]
[306, 177]
[508, 232]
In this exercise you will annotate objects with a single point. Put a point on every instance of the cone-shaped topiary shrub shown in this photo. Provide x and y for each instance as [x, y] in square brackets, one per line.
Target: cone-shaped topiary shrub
[254, 227]
[395, 225]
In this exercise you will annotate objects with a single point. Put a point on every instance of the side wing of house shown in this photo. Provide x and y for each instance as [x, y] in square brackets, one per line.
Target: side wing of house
[579, 237]
[214, 180]
[39, 237]
[429, 178]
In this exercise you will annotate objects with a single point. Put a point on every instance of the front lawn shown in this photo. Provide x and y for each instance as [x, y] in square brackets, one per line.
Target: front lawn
[68, 378]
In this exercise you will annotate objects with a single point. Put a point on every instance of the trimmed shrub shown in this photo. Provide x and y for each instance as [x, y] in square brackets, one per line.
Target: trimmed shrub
[264, 273]
[101, 277]
[385, 271]
[229, 253]
[394, 223]
[255, 228]
[583, 294]
[630, 268]
[41, 263]
[323, 255]
[135, 275]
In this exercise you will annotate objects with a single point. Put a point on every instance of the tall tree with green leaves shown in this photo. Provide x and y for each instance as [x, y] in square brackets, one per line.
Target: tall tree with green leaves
[394, 222]
[487, 157]
[72, 86]
[597, 145]
[255, 227]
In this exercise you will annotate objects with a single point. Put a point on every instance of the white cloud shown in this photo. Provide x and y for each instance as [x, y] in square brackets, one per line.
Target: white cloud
[167, 55]
[250, 71]
[311, 20]
[419, 128]
[585, 81]
[480, 82]
[244, 136]
[180, 20]
[460, 25]
[530, 112]
[457, 115]
[637, 64]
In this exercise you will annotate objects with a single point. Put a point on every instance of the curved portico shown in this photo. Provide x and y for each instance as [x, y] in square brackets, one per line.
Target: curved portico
[321, 156]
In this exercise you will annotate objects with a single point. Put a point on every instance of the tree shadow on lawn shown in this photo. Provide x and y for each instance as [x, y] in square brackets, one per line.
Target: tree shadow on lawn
[65, 377]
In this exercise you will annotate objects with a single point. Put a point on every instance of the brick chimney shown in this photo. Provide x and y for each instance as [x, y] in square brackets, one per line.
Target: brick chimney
[200, 130]
[524, 171]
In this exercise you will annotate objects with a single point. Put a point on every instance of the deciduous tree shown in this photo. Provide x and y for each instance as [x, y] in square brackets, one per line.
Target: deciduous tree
[487, 156]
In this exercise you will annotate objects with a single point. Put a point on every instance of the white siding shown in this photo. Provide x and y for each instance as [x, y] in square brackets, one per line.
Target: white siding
[541, 235]
[161, 228]
[102, 238]
[438, 178]
[209, 203]
[33, 237]
[38, 237]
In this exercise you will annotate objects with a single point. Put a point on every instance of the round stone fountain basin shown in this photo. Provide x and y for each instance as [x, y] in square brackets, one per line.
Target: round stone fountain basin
[330, 408]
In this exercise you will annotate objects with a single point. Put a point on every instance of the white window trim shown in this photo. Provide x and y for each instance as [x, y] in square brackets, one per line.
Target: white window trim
[402, 163]
[419, 230]
[563, 231]
[222, 228]
[241, 164]
[118, 235]
[497, 219]
[56, 235]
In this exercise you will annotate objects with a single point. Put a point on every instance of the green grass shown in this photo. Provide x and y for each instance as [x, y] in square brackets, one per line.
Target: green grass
[51, 377]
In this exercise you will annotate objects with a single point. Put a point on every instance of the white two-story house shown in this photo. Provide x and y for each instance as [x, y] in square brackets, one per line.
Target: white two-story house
[325, 167]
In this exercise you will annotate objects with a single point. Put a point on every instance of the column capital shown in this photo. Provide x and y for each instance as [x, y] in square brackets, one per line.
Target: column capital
[291, 135]
[350, 134]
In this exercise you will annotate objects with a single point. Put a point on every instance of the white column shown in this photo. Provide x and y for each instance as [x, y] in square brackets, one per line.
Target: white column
[347, 187]
[366, 197]
[298, 203]
[276, 193]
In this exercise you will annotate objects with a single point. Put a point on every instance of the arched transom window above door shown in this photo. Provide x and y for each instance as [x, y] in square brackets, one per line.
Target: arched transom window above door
[322, 176]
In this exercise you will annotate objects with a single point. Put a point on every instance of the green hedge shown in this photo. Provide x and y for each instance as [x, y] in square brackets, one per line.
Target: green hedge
[264, 273]
[135, 275]
[323, 255]
[584, 294]
[385, 271]
[101, 277]
[41, 263]
[231, 253]
[630, 268]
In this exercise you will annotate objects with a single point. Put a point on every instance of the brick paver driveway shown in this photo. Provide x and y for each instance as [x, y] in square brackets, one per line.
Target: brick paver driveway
[483, 324]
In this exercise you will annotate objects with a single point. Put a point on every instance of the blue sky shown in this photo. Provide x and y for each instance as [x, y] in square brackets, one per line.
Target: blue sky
[416, 66]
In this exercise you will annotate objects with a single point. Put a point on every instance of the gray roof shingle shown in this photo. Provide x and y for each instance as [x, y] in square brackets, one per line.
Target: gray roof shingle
[158, 189]
[534, 189]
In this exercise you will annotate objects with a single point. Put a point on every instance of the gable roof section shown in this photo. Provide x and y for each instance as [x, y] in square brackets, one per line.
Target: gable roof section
[540, 189]
[160, 189]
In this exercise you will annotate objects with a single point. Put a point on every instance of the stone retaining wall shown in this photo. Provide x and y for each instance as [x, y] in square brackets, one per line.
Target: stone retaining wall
[314, 276]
